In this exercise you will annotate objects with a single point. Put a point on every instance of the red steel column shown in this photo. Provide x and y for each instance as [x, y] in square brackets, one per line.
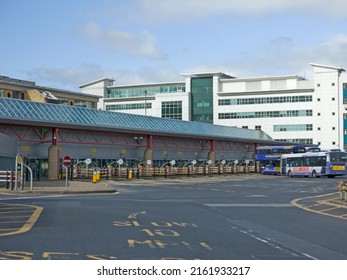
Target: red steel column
[211, 154]
[148, 155]
[53, 156]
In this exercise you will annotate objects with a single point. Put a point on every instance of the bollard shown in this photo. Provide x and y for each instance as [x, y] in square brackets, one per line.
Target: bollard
[130, 174]
[94, 176]
[98, 175]
[342, 187]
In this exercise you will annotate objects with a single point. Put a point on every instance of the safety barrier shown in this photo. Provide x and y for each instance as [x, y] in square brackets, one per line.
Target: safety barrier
[7, 177]
[342, 187]
[166, 171]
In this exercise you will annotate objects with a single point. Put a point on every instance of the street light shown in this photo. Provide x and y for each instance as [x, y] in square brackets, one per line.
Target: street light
[145, 102]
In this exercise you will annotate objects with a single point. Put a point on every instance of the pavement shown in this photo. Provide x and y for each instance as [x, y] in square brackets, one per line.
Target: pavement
[59, 186]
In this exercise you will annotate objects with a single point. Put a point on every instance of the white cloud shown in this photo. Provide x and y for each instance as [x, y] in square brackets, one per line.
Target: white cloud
[281, 58]
[67, 78]
[188, 10]
[143, 45]
[72, 78]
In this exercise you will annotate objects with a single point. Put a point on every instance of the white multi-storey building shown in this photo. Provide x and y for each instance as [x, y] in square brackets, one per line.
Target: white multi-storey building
[288, 108]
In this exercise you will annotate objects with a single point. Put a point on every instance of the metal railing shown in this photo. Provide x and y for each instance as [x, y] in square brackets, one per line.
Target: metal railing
[7, 177]
[112, 172]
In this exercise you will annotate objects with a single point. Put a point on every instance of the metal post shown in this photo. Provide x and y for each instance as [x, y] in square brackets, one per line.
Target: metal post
[31, 176]
[145, 102]
[66, 177]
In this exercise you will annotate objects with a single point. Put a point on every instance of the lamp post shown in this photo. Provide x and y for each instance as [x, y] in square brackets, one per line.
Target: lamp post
[145, 102]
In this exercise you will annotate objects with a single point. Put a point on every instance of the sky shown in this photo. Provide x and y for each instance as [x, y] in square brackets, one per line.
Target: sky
[68, 43]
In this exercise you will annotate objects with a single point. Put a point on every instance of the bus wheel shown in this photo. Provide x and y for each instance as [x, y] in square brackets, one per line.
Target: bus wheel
[314, 174]
[290, 173]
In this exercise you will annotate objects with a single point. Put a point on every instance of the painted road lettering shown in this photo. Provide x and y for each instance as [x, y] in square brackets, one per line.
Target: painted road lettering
[161, 232]
[153, 232]
[22, 255]
[155, 224]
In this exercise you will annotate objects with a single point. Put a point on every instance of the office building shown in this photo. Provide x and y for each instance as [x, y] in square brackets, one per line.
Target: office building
[288, 108]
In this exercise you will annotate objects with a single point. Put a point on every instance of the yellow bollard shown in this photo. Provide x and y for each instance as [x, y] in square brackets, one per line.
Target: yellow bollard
[94, 177]
[130, 174]
[98, 175]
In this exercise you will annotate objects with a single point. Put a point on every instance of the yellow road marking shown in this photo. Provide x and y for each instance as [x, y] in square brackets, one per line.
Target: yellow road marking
[28, 224]
[329, 209]
[296, 203]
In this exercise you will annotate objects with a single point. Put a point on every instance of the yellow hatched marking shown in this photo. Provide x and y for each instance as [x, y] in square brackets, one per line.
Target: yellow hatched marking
[28, 224]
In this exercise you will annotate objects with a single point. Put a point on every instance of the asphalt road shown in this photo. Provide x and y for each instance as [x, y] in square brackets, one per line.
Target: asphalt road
[240, 217]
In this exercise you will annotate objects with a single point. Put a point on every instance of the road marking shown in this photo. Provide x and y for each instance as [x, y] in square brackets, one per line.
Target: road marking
[275, 205]
[134, 215]
[299, 202]
[27, 224]
[256, 195]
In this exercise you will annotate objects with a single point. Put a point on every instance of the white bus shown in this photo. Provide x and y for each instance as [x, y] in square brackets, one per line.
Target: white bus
[318, 164]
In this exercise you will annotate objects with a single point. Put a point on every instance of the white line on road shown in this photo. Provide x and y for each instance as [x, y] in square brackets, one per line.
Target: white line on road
[275, 205]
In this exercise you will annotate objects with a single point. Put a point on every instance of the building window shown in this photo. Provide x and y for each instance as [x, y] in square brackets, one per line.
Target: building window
[265, 114]
[84, 104]
[245, 126]
[258, 127]
[333, 127]
[344, 91]
[201, 92]
[171, 110]
[17, 94]
[333, 84]
[308, 141]
[131, 106]
[333, 99]
[264, 100]
[318, 99]
[293, 127]
[333, 113]
[134, 92]
[318, 114]
[318, 128]
[318, 85]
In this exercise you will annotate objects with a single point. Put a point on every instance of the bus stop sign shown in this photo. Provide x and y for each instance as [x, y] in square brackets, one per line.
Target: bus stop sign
[67, 161]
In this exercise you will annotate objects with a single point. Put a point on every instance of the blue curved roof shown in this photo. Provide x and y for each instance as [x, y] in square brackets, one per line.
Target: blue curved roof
[44, 114]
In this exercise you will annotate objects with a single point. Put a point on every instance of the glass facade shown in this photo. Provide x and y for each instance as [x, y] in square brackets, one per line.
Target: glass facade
[133, 92]
[172, 110]
[202, 99]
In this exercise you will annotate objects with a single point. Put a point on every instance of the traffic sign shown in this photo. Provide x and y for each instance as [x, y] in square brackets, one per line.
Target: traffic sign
[67, 161]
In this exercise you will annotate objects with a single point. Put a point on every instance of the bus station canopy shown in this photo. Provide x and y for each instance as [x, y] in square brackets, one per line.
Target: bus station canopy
[21, 112]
